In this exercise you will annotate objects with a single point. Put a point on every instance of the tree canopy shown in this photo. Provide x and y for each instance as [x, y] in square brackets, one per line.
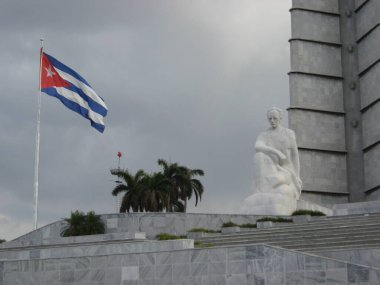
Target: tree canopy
[167, 190]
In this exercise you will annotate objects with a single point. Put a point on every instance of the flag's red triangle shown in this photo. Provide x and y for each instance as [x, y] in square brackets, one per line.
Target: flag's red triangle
[50, 76]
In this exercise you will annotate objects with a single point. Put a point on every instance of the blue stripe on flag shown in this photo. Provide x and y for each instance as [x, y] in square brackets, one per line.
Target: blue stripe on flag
[57, 64]
[74, 107]
[94, 106]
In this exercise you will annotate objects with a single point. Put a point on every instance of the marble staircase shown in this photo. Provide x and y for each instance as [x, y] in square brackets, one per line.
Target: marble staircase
[329, 233]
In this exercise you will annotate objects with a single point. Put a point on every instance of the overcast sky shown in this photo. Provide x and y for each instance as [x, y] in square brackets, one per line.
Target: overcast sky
[186, 81]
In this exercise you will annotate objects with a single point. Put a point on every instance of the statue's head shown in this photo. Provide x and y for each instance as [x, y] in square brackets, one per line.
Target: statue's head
[274, 116]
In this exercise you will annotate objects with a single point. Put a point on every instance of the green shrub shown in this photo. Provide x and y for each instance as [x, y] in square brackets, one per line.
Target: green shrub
[248, 226]
[308, 212]
[166, 236]
[2, 240]
[274, 219]
[80, 224]
[202, 230]
[229, 224]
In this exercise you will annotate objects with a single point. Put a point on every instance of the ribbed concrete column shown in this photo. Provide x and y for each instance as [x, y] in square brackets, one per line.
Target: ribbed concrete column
[351, 98]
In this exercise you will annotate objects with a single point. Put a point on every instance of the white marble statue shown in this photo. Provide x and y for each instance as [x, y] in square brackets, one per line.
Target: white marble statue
[277, 185]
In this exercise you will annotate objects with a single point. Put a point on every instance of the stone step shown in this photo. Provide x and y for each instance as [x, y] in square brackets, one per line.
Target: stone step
[302, 236]
[296, 230]
[331, 221]
[354, 216]
[299, 241]
[337, 218]
[338, 248]
[311, 246]
[327, 241]
[303, 241]
[358, 216]
[348, 220]
[334, 244]
[361, 231]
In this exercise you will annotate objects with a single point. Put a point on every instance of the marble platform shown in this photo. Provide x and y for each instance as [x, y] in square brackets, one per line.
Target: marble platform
[124, 236]
[254, 264]
[76, 250]
[368, 256]
[149, 223]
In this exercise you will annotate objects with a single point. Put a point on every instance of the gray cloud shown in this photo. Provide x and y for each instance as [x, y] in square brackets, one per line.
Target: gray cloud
[188, 81]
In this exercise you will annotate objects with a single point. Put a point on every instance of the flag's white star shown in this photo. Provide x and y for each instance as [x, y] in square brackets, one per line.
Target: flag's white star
[50, 73]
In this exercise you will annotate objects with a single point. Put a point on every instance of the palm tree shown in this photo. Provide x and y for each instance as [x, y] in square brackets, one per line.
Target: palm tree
[157, 192]
[183, 182]
[194, 186]
[177, 177]
[132, 186]
[80, 224]
[167, 190]
[74, 224]
[94, 224]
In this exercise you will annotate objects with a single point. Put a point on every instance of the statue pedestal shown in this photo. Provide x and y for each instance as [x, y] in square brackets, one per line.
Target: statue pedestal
[278, 204]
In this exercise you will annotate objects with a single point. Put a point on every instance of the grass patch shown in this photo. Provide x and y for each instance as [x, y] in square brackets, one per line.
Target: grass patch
[248, 226]
[274, 220]
[199, 244]
[308, 212]
[202, 230]
[230, 224]
[166, 236]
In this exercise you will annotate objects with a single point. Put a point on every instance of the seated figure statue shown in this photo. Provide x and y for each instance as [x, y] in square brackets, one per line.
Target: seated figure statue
[277, 185]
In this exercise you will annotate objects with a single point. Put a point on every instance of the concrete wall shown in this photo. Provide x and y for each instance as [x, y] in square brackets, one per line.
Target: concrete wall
[316, 112]
[318, 93]
[69, 250]
[367, 17]
[314, 58]
[334, 97]
[323, 172]
[315, 26]
[366, 51]
[368, 37]
[255, 264]
[309, 123]
[329, 6]
[370, 86]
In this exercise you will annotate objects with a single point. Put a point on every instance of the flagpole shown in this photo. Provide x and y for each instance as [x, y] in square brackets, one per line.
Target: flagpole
[37, 153]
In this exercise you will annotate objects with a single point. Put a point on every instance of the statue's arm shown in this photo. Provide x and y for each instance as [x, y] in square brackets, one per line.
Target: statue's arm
[295, 160]
[261, 147]
[296, 163]
[294, 154]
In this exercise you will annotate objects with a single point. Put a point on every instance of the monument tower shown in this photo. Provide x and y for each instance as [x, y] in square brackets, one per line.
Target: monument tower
[335, 99]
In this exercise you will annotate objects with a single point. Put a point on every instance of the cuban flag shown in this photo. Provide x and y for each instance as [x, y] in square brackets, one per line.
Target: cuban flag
[60, 81]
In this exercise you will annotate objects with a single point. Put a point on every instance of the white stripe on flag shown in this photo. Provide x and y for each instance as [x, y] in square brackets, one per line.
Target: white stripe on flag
[72, 96]
[85, 88]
